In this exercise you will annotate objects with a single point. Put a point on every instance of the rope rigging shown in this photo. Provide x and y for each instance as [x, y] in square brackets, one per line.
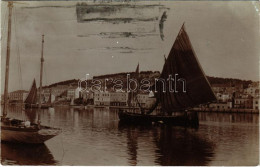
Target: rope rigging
[18, 50]
[4, 29]
[45, 74]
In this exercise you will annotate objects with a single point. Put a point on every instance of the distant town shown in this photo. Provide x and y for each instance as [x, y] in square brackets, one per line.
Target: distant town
[233, 95]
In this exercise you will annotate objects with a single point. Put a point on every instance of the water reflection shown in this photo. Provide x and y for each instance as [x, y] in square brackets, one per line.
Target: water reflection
[177, 146]
[31, 114]
[95, 137]
[26, 155]
[228, 117]
[173, 145]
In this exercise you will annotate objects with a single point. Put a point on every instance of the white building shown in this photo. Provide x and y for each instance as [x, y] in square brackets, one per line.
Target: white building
[101, 98]
[118, 98]
[253, 91]
[221, 105]
[17, 96]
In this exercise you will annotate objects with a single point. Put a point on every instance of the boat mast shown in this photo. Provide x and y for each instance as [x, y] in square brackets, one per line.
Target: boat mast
[10, 6]
[40, 90]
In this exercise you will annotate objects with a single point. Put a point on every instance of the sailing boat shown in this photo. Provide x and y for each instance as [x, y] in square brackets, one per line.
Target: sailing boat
[182, 61]
[18, 131]
[31, 99]
[132, 96]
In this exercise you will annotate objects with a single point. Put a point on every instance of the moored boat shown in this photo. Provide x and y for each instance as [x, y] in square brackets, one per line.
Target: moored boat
[194, 88]
[31, 99]
[184, 119]
[18, 131]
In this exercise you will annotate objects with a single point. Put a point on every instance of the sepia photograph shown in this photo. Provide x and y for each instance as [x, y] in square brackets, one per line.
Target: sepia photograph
[130, 83]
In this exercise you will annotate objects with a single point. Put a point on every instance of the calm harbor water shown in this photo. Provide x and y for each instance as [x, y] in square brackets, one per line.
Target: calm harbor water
[95, 137]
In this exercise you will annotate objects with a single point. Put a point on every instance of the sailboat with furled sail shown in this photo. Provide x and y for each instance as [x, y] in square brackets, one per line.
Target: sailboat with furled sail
[18, 131]
[176, 106]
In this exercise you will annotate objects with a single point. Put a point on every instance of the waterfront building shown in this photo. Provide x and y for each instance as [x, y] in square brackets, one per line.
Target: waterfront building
[17, 96]
[256, 101]
[252, 90]
[87, 95]
[239, 88]
[71, 93]
[221, 105]
[118, 98]
[101, 98]
[223, 97]
[218, 88]
[226, 88]
[244, 102]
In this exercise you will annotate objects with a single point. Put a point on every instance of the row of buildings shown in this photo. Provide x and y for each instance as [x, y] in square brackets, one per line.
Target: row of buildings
[122, 99]
[235, 97]
[69, 93]
[228, 96]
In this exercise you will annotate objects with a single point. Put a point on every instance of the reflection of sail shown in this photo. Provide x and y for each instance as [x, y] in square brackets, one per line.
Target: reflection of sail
[31, 115]
[132, 134]
[173, 145]
[49, 99]
[132, 95]
[180, 147]
[26, 155]
[132, 145]
[229, 118]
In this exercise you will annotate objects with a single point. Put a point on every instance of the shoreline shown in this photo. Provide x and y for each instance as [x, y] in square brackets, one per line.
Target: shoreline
[230, 111]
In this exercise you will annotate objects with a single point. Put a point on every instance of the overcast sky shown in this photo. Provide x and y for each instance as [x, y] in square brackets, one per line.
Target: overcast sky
[224, 35]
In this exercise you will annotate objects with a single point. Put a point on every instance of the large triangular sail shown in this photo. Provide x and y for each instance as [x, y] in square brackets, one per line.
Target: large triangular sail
[32, 96]
[182, 62]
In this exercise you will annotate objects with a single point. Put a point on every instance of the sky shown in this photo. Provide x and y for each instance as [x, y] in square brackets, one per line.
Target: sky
[224, 35]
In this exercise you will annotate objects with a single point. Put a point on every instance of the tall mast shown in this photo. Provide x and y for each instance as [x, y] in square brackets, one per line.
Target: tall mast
[10, 6]
[40, 91]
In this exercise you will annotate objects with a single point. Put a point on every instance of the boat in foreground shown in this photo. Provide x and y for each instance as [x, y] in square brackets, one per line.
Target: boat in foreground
[189, 90]
[185, 119]
[18, 131]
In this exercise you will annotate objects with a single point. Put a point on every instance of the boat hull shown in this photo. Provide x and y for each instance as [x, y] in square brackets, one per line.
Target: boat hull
[27, 135]
[186, 119]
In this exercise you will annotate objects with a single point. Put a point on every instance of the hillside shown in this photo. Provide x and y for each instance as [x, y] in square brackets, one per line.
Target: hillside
[149, 75]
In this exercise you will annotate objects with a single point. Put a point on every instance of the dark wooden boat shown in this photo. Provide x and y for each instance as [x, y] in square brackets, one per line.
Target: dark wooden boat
[192, 89]
[15, 131]
[185, 119]
[18, 131]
